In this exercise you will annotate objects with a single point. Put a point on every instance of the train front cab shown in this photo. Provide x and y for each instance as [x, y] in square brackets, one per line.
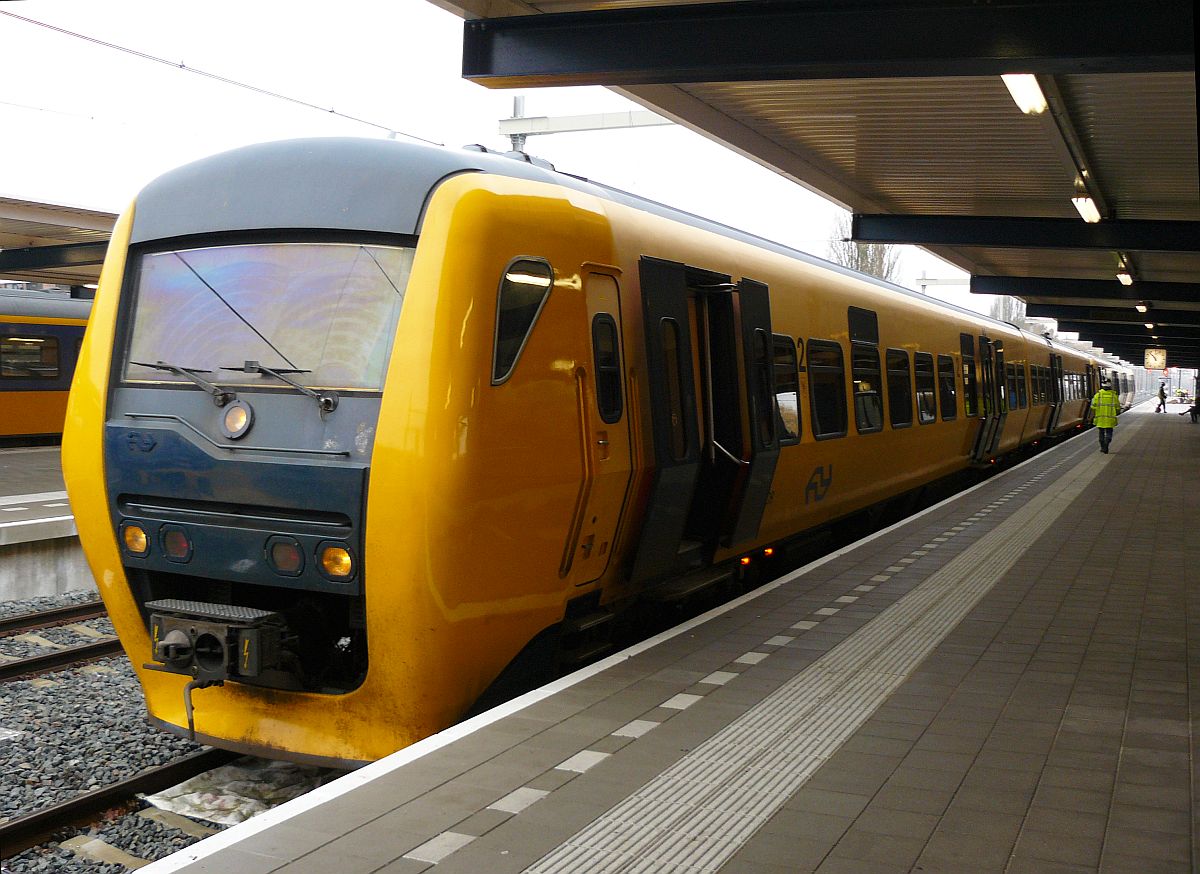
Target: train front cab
[198, 534]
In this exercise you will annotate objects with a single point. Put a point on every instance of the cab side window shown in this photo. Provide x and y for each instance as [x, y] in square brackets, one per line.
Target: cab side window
[524, 289]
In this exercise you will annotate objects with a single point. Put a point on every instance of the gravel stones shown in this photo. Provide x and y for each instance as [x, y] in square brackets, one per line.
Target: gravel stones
[76, 730]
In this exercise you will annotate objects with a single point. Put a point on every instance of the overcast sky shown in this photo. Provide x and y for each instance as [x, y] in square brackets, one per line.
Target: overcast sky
[87, 125]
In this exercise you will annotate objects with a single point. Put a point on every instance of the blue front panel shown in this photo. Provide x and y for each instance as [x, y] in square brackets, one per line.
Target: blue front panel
[231, 503]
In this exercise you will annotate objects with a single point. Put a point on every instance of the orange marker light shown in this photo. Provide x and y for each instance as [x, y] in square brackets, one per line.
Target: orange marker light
[769, 551]
[135, 539]
[745, 560]
[335, 560]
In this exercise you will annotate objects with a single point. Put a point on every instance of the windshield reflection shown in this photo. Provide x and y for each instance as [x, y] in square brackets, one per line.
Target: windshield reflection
[328, 310]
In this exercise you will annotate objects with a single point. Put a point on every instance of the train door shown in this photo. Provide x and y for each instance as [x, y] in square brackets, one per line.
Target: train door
[603, 409]
[992, 392]
[711, 384]
[1056, 393]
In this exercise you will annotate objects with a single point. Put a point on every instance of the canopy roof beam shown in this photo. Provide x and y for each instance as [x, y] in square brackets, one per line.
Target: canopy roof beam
[50, 257]
[1027, 233]
[731, 42]
[1094, 289]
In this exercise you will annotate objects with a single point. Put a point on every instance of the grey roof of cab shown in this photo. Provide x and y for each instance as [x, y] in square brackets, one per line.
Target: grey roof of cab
[334, 183]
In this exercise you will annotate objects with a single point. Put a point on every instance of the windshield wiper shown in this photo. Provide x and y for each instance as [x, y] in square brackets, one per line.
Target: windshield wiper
[326, 401]
[219, 395]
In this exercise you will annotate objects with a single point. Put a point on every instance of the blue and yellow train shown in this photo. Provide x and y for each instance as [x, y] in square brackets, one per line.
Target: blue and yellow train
[40, 336]
[359, 425]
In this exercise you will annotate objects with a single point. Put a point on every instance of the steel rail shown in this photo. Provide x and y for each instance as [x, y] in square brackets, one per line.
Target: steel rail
[45, 618]
[27, 831]
[58, 659]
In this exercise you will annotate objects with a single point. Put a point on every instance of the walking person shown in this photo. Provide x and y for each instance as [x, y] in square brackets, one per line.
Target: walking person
[1106, 405]
[1162, 398]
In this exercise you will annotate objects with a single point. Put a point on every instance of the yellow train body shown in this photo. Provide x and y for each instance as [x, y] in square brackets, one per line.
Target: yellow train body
[491, 503]
[39, 339]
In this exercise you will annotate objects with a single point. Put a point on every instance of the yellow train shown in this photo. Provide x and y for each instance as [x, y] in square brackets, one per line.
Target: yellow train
[359, 424]
[40, 335]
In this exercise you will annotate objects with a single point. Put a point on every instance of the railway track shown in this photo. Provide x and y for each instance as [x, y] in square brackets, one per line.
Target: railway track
[60, 658]
[24, 623]
[33, 829]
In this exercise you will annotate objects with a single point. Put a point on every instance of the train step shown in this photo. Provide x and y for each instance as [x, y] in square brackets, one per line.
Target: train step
[679, 588]
[586, 637]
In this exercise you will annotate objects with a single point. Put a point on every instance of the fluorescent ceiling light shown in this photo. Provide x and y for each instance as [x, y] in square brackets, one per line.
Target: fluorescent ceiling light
[1150, 325]
[1140, 307]
[1026, 92]
[1087, 208]
[1125, 278]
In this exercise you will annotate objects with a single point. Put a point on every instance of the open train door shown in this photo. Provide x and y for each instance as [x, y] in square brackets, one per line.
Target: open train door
[715, 444]
[991, 378]
[1056, 393]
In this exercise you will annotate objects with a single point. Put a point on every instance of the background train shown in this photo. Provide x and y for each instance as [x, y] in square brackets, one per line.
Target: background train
[359, 424]
[40, 335]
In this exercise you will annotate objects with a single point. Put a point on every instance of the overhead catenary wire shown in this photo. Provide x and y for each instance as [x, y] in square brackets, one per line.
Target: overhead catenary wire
[179, 65]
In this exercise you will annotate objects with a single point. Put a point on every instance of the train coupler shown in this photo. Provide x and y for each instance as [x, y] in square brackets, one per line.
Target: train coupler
[213, 643]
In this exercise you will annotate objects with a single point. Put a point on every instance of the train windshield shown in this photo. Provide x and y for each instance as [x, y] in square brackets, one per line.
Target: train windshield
[323, 312]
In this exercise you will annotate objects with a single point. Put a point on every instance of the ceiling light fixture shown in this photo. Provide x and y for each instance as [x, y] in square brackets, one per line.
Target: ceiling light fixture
[1085, 205]
[1026, 92]
[1125, 278]
[1150, 325]
[1140, 307]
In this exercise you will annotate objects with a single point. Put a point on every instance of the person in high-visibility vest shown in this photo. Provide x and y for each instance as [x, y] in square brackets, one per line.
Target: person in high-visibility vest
[1106, 406]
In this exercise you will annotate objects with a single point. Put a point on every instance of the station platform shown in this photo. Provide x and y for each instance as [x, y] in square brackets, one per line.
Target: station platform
[39, 547]
[1009, 681]
[33, 499]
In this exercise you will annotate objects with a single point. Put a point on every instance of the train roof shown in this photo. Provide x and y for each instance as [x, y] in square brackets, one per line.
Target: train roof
[349, 183]
[42, 304]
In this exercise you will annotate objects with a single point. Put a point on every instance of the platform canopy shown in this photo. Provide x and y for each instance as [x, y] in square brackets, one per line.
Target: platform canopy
[896, 110]
[49, 243]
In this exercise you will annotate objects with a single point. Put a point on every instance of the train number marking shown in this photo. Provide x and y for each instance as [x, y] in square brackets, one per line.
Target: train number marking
[818, 484]
[139, 442]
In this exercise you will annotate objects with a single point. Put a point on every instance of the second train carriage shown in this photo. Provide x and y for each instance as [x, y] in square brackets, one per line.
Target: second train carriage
[359, 424]
[40, 336]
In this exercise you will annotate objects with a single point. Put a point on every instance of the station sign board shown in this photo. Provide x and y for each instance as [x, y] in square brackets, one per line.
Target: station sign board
[1156, 359]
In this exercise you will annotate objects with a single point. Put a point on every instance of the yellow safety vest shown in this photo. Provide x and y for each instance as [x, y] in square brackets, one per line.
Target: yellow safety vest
[1106, 405]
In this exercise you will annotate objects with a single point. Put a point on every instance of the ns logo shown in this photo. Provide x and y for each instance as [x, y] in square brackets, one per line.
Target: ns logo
[139, 442]
[818, 484]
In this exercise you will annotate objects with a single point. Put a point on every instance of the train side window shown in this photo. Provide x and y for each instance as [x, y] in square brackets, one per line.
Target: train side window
[947, 392]
[608, 368]
[899, 389]
[868, 402]
[1022, 391]
[524, 289]
[28, 357]
[787, 389]
[827, 388]
[671, 352]
[970, 385]
[1010, 371]
[926, 405]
